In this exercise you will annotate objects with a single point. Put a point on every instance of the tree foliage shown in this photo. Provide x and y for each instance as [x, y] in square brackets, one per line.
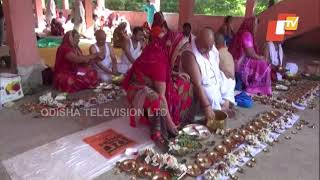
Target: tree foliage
[220, 7]
[261, 6]
[58, 3]
[206, 7]
[169, 6]
[125, 5]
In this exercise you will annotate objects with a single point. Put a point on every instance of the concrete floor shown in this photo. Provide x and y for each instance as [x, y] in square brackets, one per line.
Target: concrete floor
[296, 159]
[20, 132]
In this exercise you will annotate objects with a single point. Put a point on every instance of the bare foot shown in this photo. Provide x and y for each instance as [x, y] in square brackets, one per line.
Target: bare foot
[172, 128]
[231, 113]
[225, 106]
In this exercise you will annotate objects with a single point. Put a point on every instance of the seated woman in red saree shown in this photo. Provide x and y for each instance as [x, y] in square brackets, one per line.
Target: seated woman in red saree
[72, 70]
[56, 28]
[158, 25]
[147, 33]
[119, 35]
[151, 86]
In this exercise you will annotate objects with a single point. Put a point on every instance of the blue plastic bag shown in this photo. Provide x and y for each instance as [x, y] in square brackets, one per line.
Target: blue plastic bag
[243, 100]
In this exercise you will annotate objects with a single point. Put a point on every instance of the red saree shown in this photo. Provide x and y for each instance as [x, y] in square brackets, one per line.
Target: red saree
[56, 28]
[72, 77]
[154, 65]
[158, 23]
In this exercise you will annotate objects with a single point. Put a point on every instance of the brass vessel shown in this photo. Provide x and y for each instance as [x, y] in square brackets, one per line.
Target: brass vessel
[219, 122]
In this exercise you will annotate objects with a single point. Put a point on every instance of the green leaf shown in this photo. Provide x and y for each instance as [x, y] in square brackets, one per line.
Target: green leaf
[220, 7]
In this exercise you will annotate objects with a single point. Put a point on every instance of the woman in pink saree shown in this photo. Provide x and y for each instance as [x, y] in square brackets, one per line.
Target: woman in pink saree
[253, 69]
[151, 85]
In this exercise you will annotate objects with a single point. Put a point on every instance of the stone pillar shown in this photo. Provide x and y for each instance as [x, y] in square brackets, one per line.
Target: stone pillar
[39, 10]
[250, 6]
[65, 4]
[185, 11]
[101, 3]
[156, 4]
[20, 24]
[89, 13]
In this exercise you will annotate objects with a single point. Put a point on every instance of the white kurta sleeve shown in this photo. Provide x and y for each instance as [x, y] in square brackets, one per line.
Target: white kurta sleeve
[227, 88]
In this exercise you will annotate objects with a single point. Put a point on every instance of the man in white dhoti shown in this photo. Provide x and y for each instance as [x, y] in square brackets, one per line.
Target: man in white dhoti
[108, 66]
[50, 11]
[201, 62]
[78, 17]
[274, 54]
[132, 49]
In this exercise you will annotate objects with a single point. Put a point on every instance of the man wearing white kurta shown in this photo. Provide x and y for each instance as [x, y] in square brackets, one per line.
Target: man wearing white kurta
[108, 66]
[132, 49]
[275, 55]
[61, 19]
[212, 87]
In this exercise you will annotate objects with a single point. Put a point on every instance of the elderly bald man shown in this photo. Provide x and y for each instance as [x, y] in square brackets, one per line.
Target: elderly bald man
[108, 66]
[211, 86]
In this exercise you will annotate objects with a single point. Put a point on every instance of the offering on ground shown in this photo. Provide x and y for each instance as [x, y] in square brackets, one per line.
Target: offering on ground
[200, 131]
[184, 144]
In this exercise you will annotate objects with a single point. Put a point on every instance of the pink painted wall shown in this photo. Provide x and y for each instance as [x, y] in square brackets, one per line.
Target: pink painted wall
[22, 39]
[172, 20]
[135, 18]
[307, 10]
[138, 18]
[199, 21]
